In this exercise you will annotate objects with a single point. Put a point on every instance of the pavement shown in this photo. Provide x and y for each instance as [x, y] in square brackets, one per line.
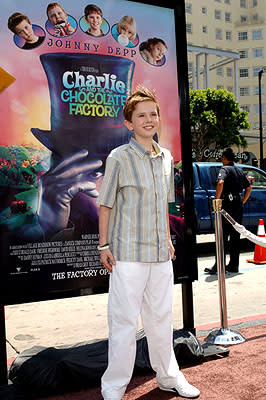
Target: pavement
[78, 319]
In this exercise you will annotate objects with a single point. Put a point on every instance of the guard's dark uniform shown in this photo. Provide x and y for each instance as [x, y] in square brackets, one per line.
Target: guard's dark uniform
[234, 182]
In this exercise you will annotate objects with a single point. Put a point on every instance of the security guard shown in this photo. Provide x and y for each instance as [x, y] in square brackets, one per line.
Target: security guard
[230, 184]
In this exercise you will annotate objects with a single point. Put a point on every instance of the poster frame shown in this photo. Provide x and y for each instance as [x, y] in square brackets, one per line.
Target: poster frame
[190, 231]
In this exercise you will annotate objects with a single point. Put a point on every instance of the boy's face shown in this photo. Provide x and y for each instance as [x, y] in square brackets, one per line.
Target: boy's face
[57, 16]
[24, 30]
[126, 30]
[145, 120]
[95, 20]
[158, 50]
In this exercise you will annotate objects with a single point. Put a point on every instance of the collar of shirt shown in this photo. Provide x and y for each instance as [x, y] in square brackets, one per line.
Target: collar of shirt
[141, 151]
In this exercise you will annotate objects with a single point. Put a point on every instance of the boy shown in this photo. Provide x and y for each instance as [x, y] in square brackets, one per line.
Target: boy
[20, 24]
[135, 247]
[94, 17]
[58, 18]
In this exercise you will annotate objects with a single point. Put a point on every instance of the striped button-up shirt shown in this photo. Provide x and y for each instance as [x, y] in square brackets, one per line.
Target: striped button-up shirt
[137, 187]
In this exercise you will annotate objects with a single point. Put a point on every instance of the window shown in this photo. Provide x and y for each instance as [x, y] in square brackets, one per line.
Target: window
[217, 14]
[227, 1]
[204, 10]
[243, 18]
[255, 17]
[218, 1]
[204, 29]
[219, 71]
[243, 72]
[256, 71]
[189, 28]
[260, 180]
[230, 89]
[256, 108]
[228, 35]
[188, 8]
[254, 3]
[219, 87]
[190, 66]
[244, 91]
[228, 17]
[257, 35]
[243, 3]
[256, 90]
[243, 53]
[229, 71]
[245, 107]
[243, 35]
[257, 53]
[218, 34]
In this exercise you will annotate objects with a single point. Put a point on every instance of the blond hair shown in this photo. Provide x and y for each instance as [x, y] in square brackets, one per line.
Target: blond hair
[139, 95]
[127, 20]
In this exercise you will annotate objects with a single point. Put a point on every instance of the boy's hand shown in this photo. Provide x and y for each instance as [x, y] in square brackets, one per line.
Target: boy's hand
[171, 249]
[107, 259]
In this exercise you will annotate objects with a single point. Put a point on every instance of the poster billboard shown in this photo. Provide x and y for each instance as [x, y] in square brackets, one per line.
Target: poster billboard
[66, 70]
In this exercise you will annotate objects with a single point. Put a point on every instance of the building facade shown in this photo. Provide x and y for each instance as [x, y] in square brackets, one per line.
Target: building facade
[226, 49]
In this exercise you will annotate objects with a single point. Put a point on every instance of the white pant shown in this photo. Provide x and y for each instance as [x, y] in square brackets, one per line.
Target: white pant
[135, 288]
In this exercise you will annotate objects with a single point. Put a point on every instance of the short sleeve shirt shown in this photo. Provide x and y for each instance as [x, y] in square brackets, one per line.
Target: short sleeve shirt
[234, 179]
[137, 187]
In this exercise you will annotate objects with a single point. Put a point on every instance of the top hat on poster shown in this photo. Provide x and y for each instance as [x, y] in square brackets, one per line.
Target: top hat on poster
[74, 130]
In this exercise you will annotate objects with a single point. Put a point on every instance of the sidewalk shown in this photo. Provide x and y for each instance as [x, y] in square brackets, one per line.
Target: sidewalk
[74, 320]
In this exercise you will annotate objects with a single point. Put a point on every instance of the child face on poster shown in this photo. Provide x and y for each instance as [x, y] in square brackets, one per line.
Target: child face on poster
[57, 15]
[157, 51]
[95, 20]
[94, 17]
[126, 28]
[25, 31]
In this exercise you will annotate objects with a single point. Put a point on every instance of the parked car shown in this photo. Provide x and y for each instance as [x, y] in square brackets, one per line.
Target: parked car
[205, 178]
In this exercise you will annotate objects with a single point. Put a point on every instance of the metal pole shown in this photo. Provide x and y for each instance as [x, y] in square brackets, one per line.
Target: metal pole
[207, 72]
[236, 80]
[3, 354]
[220, 261]
[194, 77]
[260, 120]
[198, 69]
[223, 336]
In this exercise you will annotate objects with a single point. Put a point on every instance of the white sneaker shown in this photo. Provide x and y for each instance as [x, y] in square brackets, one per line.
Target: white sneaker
[182, 388]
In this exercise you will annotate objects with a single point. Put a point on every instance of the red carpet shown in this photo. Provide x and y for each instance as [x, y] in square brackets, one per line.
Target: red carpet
[240, 376]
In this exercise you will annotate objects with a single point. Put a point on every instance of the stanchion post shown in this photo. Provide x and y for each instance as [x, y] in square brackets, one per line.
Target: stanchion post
[3, 353]
[223, 336]
[217, 205]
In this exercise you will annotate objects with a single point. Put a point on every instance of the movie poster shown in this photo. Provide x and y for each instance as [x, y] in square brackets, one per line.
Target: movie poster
[66, 69]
